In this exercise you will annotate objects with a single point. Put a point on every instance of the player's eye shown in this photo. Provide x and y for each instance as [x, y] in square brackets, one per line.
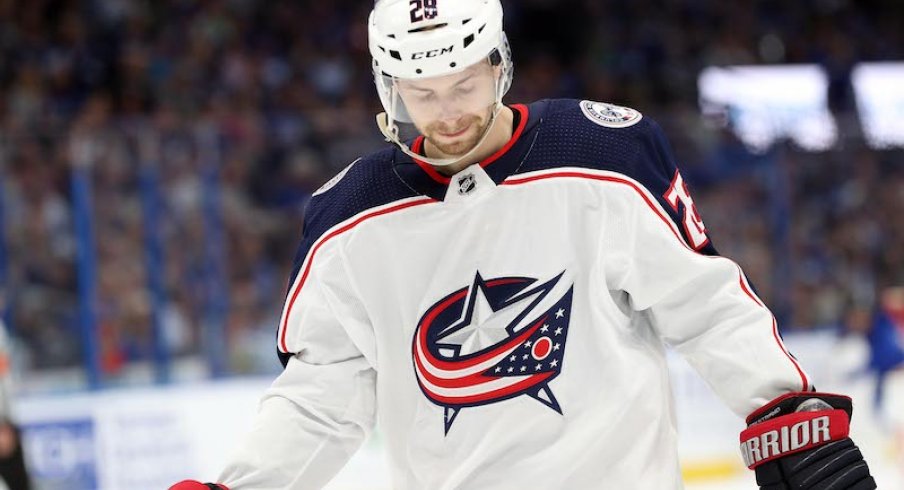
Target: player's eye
[425, 96]
[464, 89]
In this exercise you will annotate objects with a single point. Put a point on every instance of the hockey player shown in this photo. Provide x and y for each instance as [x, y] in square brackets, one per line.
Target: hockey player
[496, 289]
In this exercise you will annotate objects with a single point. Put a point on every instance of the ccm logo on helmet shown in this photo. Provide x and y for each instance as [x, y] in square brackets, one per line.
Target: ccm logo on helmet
[786, 439]
[433, 53]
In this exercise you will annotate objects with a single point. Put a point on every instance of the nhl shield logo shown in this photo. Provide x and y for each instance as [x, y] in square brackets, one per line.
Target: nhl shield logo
[492, 341]
[466, 184]
[609, 115]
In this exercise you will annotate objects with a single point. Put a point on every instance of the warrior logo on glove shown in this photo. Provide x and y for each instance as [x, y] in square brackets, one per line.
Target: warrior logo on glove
[799, 441]
[495, 340]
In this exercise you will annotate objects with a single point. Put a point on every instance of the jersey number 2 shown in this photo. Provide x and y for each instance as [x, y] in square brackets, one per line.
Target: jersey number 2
[694, 228]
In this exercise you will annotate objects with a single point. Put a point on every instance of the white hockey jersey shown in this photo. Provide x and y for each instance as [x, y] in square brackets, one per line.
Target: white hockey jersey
[505, 327]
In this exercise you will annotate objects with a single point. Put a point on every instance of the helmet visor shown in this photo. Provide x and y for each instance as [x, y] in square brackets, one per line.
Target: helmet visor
[454, 112]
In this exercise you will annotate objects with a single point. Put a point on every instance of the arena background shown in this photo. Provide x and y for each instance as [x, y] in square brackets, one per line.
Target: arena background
[156, 157]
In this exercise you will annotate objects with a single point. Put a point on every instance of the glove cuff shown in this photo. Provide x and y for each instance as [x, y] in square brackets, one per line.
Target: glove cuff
[791, 434]
[795, 402]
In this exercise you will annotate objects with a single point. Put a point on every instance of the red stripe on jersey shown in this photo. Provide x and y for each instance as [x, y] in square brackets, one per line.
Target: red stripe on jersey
[529, 382]
[668, 222]
[418, 145]
[450, 367]
[581, 175]
[778, 340]
[426, 167]
[742, 281]
[307, 269]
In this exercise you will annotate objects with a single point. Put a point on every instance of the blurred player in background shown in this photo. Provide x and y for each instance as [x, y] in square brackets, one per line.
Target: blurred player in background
[885, 336]
[496, 290]
[12, 459]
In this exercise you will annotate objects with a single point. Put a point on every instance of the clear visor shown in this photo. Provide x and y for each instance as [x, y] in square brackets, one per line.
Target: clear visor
[453, 112]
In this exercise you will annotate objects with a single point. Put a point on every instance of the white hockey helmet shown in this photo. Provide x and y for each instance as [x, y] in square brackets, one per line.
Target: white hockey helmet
[424, 39]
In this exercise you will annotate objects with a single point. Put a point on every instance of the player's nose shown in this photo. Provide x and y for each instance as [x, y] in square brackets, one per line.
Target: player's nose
[449, 111]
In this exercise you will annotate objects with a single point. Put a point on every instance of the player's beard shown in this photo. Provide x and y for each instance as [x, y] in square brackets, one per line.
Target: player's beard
[476, 126]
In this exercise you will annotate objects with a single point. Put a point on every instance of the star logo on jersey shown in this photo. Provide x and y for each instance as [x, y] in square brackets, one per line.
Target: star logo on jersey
[494, 340]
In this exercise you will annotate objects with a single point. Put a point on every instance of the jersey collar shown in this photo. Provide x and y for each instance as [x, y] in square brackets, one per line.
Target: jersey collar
[423, 178]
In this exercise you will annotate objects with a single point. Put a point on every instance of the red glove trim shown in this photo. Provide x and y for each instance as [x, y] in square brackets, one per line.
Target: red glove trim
[196, 485]
[792, 433]
[762, 411]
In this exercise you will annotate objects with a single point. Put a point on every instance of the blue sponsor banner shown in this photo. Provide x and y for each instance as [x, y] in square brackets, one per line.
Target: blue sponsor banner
[61, 454]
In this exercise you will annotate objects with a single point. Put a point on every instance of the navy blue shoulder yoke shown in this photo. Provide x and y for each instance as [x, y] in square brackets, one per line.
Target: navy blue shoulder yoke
[605, 137]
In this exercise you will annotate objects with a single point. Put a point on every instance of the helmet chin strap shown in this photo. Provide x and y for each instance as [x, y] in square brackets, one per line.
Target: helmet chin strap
[391, 132]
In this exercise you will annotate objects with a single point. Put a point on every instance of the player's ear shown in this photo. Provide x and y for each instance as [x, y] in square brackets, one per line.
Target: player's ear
[497, 71]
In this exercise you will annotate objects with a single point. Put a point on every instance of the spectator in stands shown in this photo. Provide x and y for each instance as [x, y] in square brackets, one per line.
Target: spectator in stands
[291, 113]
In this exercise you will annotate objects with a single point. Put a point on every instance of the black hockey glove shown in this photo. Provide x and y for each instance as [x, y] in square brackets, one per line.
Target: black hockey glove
[800, 441]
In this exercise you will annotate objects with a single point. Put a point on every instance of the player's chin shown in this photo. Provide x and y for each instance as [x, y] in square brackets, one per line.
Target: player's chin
[458, 146]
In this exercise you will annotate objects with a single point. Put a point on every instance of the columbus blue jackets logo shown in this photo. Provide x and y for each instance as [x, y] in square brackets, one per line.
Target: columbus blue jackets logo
[492, 341]
[610, 115]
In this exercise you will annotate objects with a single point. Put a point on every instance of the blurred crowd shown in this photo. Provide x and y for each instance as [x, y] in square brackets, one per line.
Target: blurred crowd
[242, 108]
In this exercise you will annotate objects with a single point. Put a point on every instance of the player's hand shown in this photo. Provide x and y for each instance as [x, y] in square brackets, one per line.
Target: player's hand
[9, 441]
[196, 485]
[800, 441]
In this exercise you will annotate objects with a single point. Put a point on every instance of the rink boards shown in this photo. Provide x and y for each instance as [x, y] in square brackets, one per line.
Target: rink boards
[148, 438]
